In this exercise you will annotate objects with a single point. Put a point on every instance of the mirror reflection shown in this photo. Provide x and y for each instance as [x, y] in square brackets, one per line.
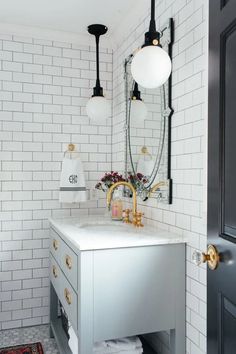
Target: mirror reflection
[148, 130]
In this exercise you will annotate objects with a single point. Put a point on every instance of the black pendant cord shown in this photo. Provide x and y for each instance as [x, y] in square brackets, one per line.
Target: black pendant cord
[98, 86]
[152, 37]
[152, 26]
[97, 30]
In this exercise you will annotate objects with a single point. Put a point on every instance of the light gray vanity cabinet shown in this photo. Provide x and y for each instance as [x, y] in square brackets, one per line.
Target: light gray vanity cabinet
[120, 292]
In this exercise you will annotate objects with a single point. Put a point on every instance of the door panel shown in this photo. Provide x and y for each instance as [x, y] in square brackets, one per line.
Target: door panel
[221, 286]
[228, 103]
[227, 326]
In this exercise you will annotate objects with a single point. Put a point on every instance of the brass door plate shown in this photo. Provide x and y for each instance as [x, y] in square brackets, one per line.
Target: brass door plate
[212, 257]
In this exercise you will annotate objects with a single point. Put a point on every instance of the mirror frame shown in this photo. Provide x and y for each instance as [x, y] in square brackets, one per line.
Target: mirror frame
[164, 193]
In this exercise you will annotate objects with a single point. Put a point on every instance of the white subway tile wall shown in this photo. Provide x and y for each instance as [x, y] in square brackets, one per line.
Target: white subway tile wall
[44, 89]
[187, 214]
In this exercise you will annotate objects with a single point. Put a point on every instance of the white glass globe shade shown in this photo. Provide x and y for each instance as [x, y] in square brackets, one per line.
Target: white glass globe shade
[98, 108]
[138, 112]
[151, 67]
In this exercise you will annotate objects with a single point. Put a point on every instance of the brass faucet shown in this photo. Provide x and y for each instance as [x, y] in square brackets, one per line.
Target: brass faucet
[155, 187]
[136, 216]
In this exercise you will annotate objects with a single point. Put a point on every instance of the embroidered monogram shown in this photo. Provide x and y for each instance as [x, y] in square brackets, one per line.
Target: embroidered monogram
[73, 179]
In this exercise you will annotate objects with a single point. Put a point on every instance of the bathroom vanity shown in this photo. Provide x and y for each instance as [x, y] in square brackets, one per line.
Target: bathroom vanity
[115, 281]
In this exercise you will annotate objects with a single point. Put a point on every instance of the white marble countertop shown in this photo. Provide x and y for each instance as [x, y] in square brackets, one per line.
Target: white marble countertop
[99, 232]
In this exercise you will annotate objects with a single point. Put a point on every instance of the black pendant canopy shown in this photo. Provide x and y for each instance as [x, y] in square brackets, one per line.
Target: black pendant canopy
[97, 30]
[152, 37]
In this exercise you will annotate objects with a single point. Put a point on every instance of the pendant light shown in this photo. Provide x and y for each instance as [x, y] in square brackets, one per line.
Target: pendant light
[151, 66]
[138, 107]
[98, 109]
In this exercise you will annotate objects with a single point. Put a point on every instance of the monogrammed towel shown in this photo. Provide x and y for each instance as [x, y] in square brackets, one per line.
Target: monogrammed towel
[72, 184]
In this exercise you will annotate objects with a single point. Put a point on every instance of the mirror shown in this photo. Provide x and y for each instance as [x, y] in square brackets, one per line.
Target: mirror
[148, 118]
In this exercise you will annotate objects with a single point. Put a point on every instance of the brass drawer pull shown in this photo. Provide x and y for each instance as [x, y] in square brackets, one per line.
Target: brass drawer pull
[55, 244]
[68, 296]
[68, 262]
[54, 270]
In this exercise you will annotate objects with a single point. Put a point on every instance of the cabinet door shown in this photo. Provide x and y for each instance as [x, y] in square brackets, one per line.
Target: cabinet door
[134, 290]
[55, 245]
[55, 275]
[66, 258]
[69, 300]
[69, 265]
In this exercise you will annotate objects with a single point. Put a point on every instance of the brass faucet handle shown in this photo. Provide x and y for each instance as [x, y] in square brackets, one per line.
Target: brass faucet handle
[126, 219]
[137, 219]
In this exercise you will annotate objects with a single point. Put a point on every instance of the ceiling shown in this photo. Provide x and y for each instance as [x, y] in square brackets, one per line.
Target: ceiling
[67, 15]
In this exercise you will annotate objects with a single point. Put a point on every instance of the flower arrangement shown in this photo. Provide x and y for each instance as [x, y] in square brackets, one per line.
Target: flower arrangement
[108, 180]
[137, 179]
[112, 177]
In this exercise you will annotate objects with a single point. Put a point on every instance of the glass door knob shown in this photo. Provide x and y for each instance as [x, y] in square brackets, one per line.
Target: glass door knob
[212, 257]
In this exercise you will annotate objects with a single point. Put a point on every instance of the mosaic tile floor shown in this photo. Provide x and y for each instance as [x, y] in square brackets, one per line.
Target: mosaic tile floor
[29, 335]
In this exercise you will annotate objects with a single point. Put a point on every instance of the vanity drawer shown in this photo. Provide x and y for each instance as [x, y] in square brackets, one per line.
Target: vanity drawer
[69, 300]
[69, 264]
[55, 245]
[55, 274]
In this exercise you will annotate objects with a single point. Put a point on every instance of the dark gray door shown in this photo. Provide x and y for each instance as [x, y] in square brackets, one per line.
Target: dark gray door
[221, 287]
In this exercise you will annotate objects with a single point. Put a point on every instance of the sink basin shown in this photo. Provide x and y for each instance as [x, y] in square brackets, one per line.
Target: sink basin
[103, 225]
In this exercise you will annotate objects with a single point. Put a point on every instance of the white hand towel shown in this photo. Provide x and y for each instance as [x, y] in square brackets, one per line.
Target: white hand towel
[99, 347]
[134, 351]
[73, 341]
[72, 184]
[109, 350]
[130, 343]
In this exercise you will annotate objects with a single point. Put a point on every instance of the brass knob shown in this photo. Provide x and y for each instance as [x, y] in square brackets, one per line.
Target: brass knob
[137, 219]
[54, 270]
[126, 219]
[68, 262]
[68, 296]
[212, 257]
[55, 244]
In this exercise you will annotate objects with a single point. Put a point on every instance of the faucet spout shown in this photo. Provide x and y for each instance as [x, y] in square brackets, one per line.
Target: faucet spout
[156, 186]
[122, 183]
